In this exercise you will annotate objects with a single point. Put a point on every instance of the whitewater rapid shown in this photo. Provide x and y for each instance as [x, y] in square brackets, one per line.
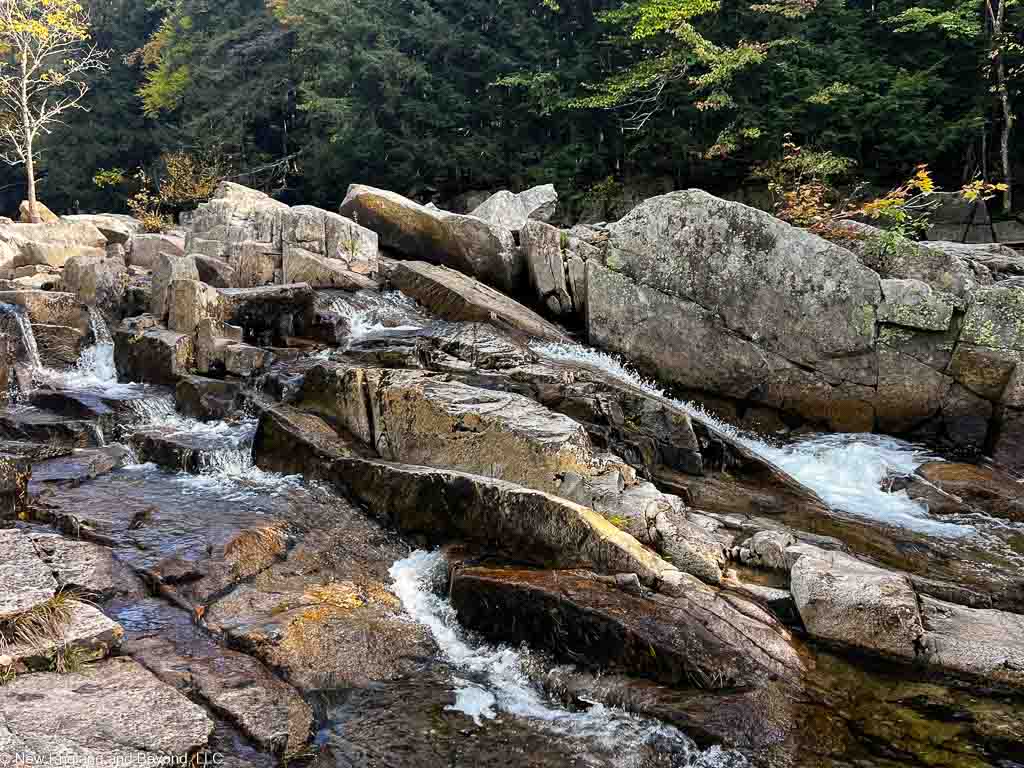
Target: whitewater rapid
[848, 471]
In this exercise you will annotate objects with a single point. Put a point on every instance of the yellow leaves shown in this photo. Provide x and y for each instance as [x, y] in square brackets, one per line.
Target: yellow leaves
[43, 21]
[922, 180]
[981, 190]
[881, 206]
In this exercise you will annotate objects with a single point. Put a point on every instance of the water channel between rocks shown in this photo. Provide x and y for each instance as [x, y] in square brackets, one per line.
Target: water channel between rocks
[471, 702]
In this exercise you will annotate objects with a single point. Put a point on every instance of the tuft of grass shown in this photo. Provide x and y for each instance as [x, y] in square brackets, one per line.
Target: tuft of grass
[7, 675]
[69, 659]
[618, 521]
[39, 624]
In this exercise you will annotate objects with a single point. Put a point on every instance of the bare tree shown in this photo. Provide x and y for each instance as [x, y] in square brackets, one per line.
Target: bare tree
[45, 55]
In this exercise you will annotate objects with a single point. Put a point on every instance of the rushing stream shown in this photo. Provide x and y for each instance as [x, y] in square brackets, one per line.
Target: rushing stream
[493, 681]
[497, 694]
[847, 470]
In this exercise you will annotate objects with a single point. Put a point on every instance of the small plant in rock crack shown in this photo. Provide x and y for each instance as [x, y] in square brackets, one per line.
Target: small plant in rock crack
[7, 673]
[69, 659]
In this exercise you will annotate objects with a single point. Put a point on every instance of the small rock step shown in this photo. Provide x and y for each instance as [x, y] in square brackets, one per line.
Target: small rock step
[81, 464]
[268, 710]
[191, 451]
[293, 442]
[36, 425]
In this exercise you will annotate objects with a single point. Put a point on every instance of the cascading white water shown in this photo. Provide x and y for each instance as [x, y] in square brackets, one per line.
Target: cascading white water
[98, 359]
[227, 467]
[847, 471]
[492, 680]
[403, 312]
[28, 338]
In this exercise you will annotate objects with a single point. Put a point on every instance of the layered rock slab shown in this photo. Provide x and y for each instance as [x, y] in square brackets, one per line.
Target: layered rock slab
[453, 295]
[112, 713]
[421, 418]
[445, 505]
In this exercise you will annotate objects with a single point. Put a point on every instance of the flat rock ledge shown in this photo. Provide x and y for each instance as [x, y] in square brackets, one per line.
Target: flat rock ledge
[113, 713]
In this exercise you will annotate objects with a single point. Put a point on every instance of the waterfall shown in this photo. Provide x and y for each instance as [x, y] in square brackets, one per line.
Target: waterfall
[24, 333]
[97, 360]
[387, 311]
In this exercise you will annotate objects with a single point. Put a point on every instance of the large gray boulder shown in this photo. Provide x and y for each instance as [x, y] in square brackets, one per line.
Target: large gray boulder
[332, 237]
[747, 267]
[147, 248]
[728, 301]
[540, 202]
[99, 281]
[116, 227]
[235, 214]
[471, 245]
[503, 208]
[512, 211]
[48, 244]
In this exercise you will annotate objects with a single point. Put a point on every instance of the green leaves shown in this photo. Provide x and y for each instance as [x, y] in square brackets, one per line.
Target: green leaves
[962, 21]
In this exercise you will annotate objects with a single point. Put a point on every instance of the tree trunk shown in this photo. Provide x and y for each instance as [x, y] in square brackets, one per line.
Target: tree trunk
[30, 171]
[30, 166]
[1004, 149]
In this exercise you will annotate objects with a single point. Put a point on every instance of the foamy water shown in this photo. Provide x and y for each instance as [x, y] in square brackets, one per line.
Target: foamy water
[492, 679]
[387, 311]
[846, 470]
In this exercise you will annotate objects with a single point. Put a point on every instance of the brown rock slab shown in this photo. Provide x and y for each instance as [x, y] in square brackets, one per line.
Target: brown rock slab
[986, 488]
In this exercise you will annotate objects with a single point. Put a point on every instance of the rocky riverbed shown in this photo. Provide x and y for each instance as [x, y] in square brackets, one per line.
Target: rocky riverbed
[396, 486]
